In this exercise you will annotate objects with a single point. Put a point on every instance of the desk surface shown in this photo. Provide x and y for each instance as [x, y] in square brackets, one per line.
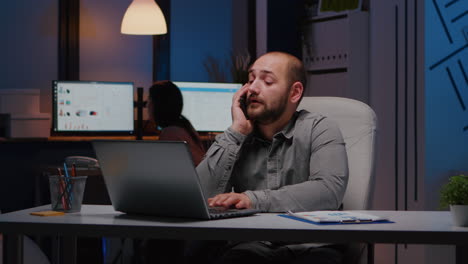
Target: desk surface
[418, 227]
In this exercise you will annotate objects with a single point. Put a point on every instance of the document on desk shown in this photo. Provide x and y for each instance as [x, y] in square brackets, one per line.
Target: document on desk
[335, 217]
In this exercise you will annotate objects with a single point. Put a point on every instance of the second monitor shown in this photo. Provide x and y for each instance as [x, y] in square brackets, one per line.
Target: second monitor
[90, 107]
[208, 105]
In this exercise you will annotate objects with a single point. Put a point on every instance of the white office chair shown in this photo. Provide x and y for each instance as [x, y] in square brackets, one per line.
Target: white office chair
[32, 253]
[358, 124]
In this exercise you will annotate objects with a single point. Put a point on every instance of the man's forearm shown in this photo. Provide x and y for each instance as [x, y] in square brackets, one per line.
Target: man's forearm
[306, 196]
[216, 168]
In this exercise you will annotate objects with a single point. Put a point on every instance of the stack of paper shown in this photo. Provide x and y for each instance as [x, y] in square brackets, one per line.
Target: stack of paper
[335, 217]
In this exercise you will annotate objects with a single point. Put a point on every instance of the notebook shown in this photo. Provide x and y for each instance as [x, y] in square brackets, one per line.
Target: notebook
[155, 178]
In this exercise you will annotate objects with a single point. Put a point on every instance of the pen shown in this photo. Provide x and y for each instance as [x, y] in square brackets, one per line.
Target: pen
[65, 168]
[73, 172]
[62, 194]
[69, 183]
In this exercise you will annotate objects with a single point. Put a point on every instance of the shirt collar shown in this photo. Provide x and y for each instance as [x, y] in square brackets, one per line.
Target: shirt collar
[287, 132]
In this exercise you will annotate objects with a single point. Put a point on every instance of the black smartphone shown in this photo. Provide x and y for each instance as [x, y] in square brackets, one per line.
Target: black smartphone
[243, 104]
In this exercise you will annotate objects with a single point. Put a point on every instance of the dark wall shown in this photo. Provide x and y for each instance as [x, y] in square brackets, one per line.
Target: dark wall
[285, 20]
[29, 46]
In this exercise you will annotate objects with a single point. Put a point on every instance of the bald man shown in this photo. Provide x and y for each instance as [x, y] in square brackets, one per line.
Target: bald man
[276, 159]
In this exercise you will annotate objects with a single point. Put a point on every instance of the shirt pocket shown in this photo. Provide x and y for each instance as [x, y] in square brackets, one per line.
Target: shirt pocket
[301, 155]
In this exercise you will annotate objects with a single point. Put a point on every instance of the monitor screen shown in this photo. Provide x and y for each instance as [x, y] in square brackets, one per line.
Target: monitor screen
[89, 107]
[208, 105]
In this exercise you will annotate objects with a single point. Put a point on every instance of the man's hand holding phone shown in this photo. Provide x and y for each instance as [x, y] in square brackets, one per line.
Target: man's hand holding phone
[240, 121]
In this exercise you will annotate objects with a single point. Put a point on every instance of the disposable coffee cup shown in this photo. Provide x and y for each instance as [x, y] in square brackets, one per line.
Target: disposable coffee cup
[66, 193]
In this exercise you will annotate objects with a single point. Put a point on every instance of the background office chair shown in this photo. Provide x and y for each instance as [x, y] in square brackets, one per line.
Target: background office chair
[358, 124]
[32, 253]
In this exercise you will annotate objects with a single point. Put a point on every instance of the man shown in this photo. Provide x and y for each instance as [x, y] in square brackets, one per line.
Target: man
[275, 159]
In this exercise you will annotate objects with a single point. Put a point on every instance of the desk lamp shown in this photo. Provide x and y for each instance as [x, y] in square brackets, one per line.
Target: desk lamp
[143, 17]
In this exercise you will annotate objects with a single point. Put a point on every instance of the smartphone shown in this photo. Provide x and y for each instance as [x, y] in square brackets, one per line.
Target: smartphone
[243, 105]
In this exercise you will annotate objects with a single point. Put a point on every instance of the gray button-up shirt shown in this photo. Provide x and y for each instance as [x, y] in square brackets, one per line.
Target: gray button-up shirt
[303, 168]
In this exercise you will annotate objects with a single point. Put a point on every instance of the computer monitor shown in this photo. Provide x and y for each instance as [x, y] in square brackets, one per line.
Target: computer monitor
[92, 107]
[208, 105]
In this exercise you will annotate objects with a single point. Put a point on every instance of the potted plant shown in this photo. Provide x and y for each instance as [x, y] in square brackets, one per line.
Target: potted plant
[454, 194]
[237, 65]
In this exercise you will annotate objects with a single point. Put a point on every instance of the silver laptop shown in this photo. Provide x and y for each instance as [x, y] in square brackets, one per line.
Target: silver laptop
[155, 178]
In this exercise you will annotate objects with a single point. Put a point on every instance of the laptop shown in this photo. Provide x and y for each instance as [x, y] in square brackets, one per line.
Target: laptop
[155, 178]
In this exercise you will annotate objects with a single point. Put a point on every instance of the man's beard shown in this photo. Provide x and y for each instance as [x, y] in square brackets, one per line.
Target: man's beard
[268, 116]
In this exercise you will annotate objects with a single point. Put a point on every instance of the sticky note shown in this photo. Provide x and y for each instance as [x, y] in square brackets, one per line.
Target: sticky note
[47, 213]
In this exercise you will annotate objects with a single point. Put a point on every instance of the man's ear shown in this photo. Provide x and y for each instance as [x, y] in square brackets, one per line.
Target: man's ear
[296, 92]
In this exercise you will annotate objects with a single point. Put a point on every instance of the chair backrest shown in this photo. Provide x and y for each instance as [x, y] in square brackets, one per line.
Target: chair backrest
[358, 124]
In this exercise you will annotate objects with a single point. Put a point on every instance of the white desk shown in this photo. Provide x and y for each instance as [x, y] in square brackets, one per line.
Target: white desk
[410, 227]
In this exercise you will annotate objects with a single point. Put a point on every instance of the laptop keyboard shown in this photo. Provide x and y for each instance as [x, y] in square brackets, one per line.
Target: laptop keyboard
[221, 212]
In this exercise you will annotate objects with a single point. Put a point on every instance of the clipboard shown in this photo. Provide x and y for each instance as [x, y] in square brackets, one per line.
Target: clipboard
[335, 217]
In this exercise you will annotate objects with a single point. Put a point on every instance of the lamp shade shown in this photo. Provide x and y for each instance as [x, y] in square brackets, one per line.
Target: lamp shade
[144, 17]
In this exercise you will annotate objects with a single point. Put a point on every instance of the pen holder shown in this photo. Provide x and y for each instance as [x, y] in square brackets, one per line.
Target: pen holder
[66, 193]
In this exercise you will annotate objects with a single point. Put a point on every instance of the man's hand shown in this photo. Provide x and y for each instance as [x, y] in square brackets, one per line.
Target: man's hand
[240, 123]
[229, 200]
